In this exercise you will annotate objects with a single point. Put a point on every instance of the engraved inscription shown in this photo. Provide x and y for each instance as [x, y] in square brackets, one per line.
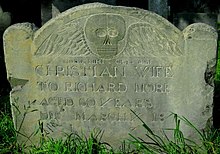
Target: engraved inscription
[94, 87]
[77, 71]
[154, 71]
[57, 101]
[95, 102]
[153, 88]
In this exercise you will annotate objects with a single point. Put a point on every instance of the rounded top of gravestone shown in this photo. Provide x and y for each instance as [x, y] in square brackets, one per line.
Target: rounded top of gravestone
[200, 31]
[87, 9]
[105, 31]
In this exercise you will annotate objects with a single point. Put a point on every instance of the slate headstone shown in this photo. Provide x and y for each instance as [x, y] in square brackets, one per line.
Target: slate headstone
[88, 67]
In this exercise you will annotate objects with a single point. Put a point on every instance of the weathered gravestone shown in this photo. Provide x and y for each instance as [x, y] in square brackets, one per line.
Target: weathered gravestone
[86, 69]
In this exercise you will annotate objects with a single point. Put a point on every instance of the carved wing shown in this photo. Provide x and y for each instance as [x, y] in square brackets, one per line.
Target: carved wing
[145, 40]
[66, 40]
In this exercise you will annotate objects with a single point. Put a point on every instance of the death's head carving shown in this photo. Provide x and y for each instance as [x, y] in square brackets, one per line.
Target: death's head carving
[104, 31]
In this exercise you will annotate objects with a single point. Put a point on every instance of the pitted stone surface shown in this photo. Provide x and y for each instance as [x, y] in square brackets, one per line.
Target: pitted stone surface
[86, 69]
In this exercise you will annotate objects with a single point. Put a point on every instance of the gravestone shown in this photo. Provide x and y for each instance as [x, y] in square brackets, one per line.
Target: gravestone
[87, 68]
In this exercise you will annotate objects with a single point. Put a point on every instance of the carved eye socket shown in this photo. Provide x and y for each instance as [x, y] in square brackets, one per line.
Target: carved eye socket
[112, 33]
[101, 32]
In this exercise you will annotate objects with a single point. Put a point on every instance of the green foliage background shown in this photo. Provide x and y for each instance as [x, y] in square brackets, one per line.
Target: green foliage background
[217, 77]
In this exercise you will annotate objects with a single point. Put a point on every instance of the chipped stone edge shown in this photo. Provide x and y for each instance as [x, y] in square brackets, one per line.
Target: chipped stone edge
[210, 35]
[26, 26]
[190, 30]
